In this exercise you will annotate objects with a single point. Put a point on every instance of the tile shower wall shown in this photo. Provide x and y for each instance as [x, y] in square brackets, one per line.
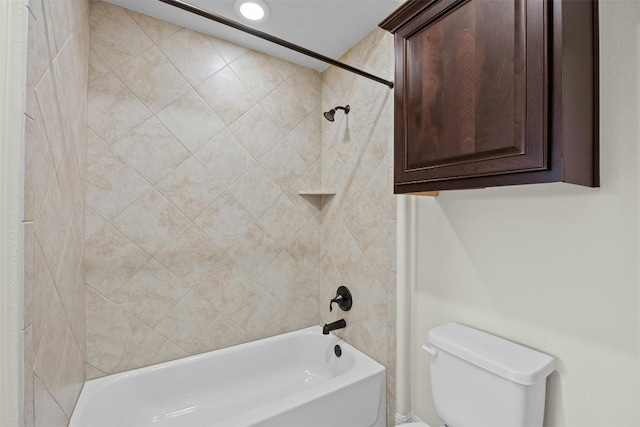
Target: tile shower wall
[358, 223]
[196, 238]
[55, 157]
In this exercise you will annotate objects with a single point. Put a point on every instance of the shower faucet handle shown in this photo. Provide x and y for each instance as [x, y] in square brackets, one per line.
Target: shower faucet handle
[343, 298]
[337, 299]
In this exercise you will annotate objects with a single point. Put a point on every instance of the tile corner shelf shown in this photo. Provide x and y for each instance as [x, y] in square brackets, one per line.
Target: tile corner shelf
[317, 193]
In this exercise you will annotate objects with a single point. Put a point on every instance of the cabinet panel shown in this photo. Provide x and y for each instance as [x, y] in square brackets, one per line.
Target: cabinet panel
[456, 67]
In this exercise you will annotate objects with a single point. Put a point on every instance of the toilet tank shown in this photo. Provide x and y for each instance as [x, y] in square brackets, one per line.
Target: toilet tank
[480, 380]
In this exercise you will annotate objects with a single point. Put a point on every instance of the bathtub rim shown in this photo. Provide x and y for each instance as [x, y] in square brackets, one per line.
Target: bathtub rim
[364, 368]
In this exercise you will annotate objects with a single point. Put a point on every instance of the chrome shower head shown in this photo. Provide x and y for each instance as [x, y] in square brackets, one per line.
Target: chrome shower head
[330, 115]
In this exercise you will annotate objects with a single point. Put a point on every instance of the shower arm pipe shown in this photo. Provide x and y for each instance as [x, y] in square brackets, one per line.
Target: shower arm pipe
[265, 36]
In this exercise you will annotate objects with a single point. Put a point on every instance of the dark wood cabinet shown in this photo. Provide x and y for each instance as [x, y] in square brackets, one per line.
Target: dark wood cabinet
[495, 92]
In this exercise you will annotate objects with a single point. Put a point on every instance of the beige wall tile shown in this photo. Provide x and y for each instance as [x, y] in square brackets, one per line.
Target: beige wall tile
[181, 325]
[29, 242]
[256, 191]
[50, 352]
[125, 343]
[305, 247]
[94, 144]
[69, 179]
[91, 372]
[226, 95]
[256, 250]
[281, 277]
[71, 377]
[308, 87]
[152, 150]
[97, 68]
[73, 68]
[125, 259]
[151, 293]
[39, 167]
[310, 205]
[283, 164]
[49, 104]
[152, 78]
[225, 221]
[28, 392]
[381, 190]
[226, 283]
[151, 222]
[193, 54]
[284, 107]
[190, 187]
[51, 227]
[60, 17]
[56, 141]
[70, 286]
[38, 54]
[229, 51]
[43, 289]
[306, 138]
[115, 37]
[257, 132]
[156, 29]
[258, 72]
[191, 255]
[225, 158]
[378, 253]
[47, 412]
[283, 220]
[191, 120]
[365, 221]
[113, 109]
[265, 309]
[112, 184]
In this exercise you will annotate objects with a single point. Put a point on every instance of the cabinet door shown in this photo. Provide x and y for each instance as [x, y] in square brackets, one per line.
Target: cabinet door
[471, 91]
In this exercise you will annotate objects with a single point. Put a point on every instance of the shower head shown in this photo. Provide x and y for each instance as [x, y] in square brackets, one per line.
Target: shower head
[330, 115]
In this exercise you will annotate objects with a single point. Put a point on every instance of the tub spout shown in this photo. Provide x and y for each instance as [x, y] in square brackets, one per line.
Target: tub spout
[338, 324]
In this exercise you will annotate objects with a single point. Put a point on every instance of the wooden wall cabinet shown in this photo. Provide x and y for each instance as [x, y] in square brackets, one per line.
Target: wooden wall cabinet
[495, 92]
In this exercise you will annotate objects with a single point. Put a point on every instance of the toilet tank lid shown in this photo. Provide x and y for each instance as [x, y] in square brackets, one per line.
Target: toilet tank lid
[512, 361]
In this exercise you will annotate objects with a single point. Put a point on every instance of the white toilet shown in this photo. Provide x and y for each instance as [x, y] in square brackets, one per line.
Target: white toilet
[480, 380]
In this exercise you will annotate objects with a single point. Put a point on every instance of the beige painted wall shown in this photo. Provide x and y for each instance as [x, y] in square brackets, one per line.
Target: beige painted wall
[55, 156]
[554, 267]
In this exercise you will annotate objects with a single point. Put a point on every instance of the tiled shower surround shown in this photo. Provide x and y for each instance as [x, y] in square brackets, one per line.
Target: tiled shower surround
[196, 237]
[358, 224]
[55, 158]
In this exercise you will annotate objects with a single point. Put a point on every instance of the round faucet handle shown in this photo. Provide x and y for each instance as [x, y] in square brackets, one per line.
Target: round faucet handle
[343, 298]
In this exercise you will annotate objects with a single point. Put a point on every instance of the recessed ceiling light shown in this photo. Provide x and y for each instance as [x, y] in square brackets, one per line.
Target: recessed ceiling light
[253, 10]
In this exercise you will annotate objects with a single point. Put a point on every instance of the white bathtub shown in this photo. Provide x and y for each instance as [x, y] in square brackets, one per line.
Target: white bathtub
[290, 380]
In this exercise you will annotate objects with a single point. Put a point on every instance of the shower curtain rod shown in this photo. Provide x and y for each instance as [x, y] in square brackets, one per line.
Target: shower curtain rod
[265, 36]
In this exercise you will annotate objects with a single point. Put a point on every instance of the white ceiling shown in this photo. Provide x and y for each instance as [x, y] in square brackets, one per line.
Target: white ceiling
[329, 27]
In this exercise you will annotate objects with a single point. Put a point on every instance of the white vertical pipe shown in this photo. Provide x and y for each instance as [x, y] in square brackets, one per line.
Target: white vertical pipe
[405, 243]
